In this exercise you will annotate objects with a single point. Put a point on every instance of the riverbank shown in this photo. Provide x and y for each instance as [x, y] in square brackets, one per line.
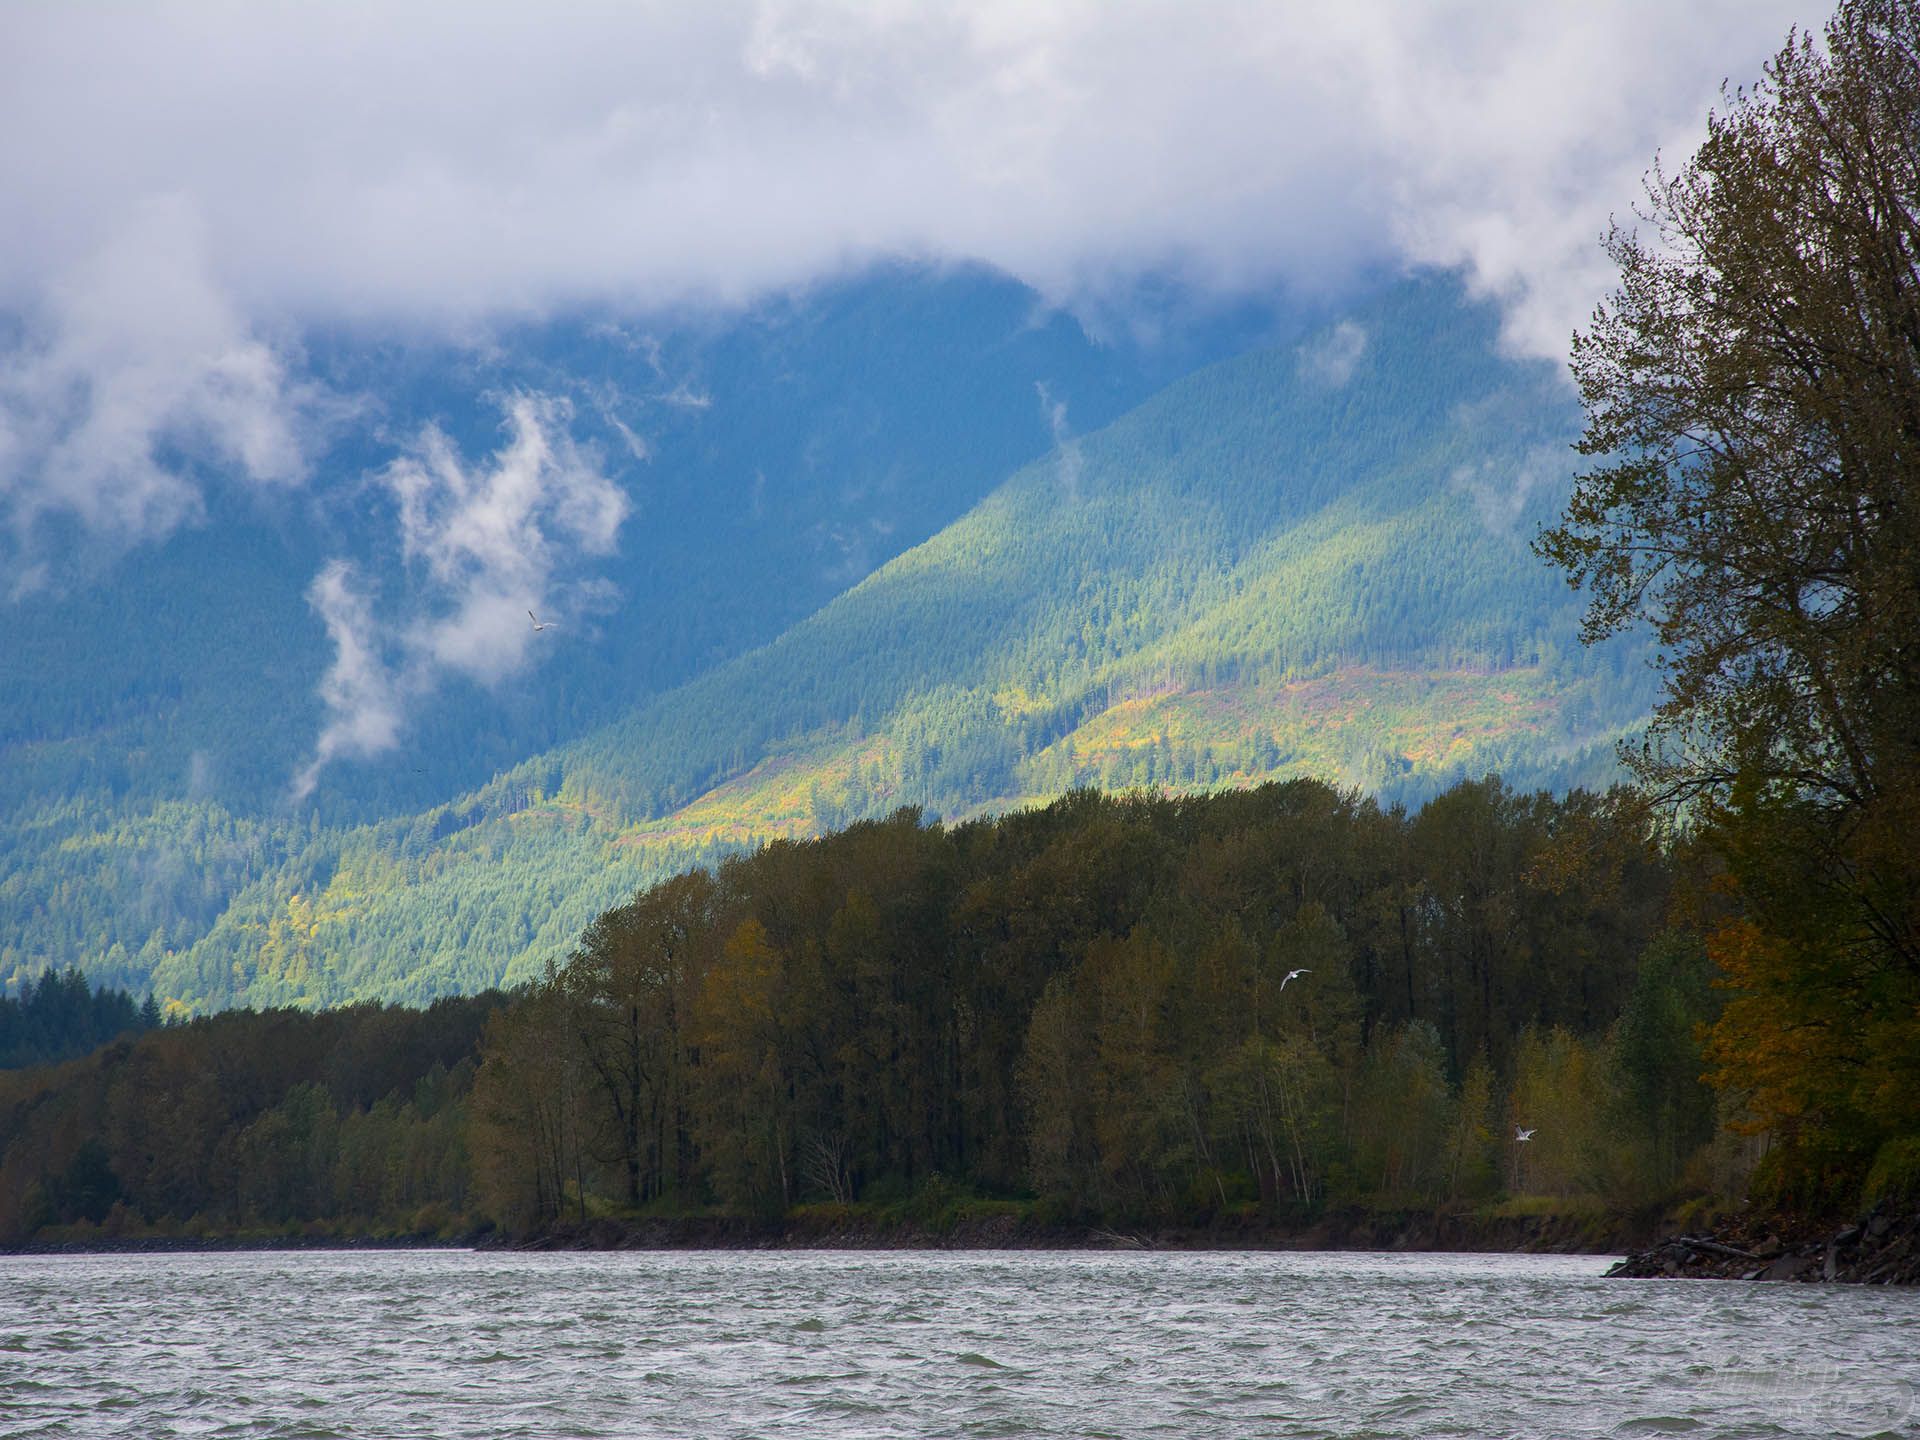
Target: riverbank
[1882, 1247]
[983, 1225]
[240, 1244]
[1016, 1228]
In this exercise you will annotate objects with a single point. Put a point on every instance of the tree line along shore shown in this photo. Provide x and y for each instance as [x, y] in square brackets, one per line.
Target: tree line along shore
[1070, 1022]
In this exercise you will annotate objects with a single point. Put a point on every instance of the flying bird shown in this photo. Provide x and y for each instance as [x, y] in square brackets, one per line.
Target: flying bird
[538, 623]
[1294, 975]
[1522, 1136]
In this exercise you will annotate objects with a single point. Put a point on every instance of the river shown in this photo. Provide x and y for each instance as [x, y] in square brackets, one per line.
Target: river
[713, 1344]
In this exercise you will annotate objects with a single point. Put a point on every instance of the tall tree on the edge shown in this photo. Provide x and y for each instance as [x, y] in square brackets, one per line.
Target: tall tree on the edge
[1753, 401]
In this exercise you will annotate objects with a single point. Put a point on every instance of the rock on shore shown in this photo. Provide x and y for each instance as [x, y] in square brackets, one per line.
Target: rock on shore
[1881, 1248]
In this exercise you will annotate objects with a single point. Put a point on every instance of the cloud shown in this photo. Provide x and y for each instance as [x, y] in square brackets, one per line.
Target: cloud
[1330, 359]
[485, 545]
[607, 405]
[130, 367]
[676, 391]
[427, 159]
[1524, 127]
[490, 537]
[235, 172]
[1501, 494]
[361, 694]
[1068, 462]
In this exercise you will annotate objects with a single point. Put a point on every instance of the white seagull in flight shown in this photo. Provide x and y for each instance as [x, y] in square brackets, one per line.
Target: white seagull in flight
[1294, 975]
[538, 623]
[1522, 1136]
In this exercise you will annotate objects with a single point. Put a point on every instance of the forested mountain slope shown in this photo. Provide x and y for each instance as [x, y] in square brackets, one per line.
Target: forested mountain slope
[806, 440]
[1219, 567]
[157, 706]
[1307, 560]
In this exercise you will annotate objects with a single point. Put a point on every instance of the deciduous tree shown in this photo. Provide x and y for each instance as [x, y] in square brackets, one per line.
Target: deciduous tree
[1752, 392]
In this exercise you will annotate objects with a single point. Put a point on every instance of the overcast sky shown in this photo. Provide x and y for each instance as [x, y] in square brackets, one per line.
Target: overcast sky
[182, 186]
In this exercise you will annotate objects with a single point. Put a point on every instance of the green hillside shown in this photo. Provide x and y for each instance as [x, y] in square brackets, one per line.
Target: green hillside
[1277, 566]
[811, 437]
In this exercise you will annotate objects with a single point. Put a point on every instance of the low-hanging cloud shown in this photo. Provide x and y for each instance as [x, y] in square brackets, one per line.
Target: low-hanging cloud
[360, 690]
[491, 538]
[1068, 462]
[487, 547]
[1502, 491]
[1330, 359]
[131, 352]
[442, 164]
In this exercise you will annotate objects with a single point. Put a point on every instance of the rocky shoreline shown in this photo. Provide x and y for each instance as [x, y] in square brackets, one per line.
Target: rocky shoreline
[1881, 1248]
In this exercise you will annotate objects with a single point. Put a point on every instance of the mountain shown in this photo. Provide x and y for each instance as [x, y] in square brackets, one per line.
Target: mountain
[1307, 559]
[804, 441]
[156, 707]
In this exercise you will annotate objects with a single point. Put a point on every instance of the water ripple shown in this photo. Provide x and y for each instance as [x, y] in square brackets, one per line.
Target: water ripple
[831, 1343]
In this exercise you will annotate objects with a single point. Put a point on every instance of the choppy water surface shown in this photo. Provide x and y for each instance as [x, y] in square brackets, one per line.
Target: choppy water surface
[749, 1344]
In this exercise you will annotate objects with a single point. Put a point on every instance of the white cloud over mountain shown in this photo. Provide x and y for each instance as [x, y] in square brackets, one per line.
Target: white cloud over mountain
[492, 538]
[136, 364]
[182, 183]
[492, 543]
